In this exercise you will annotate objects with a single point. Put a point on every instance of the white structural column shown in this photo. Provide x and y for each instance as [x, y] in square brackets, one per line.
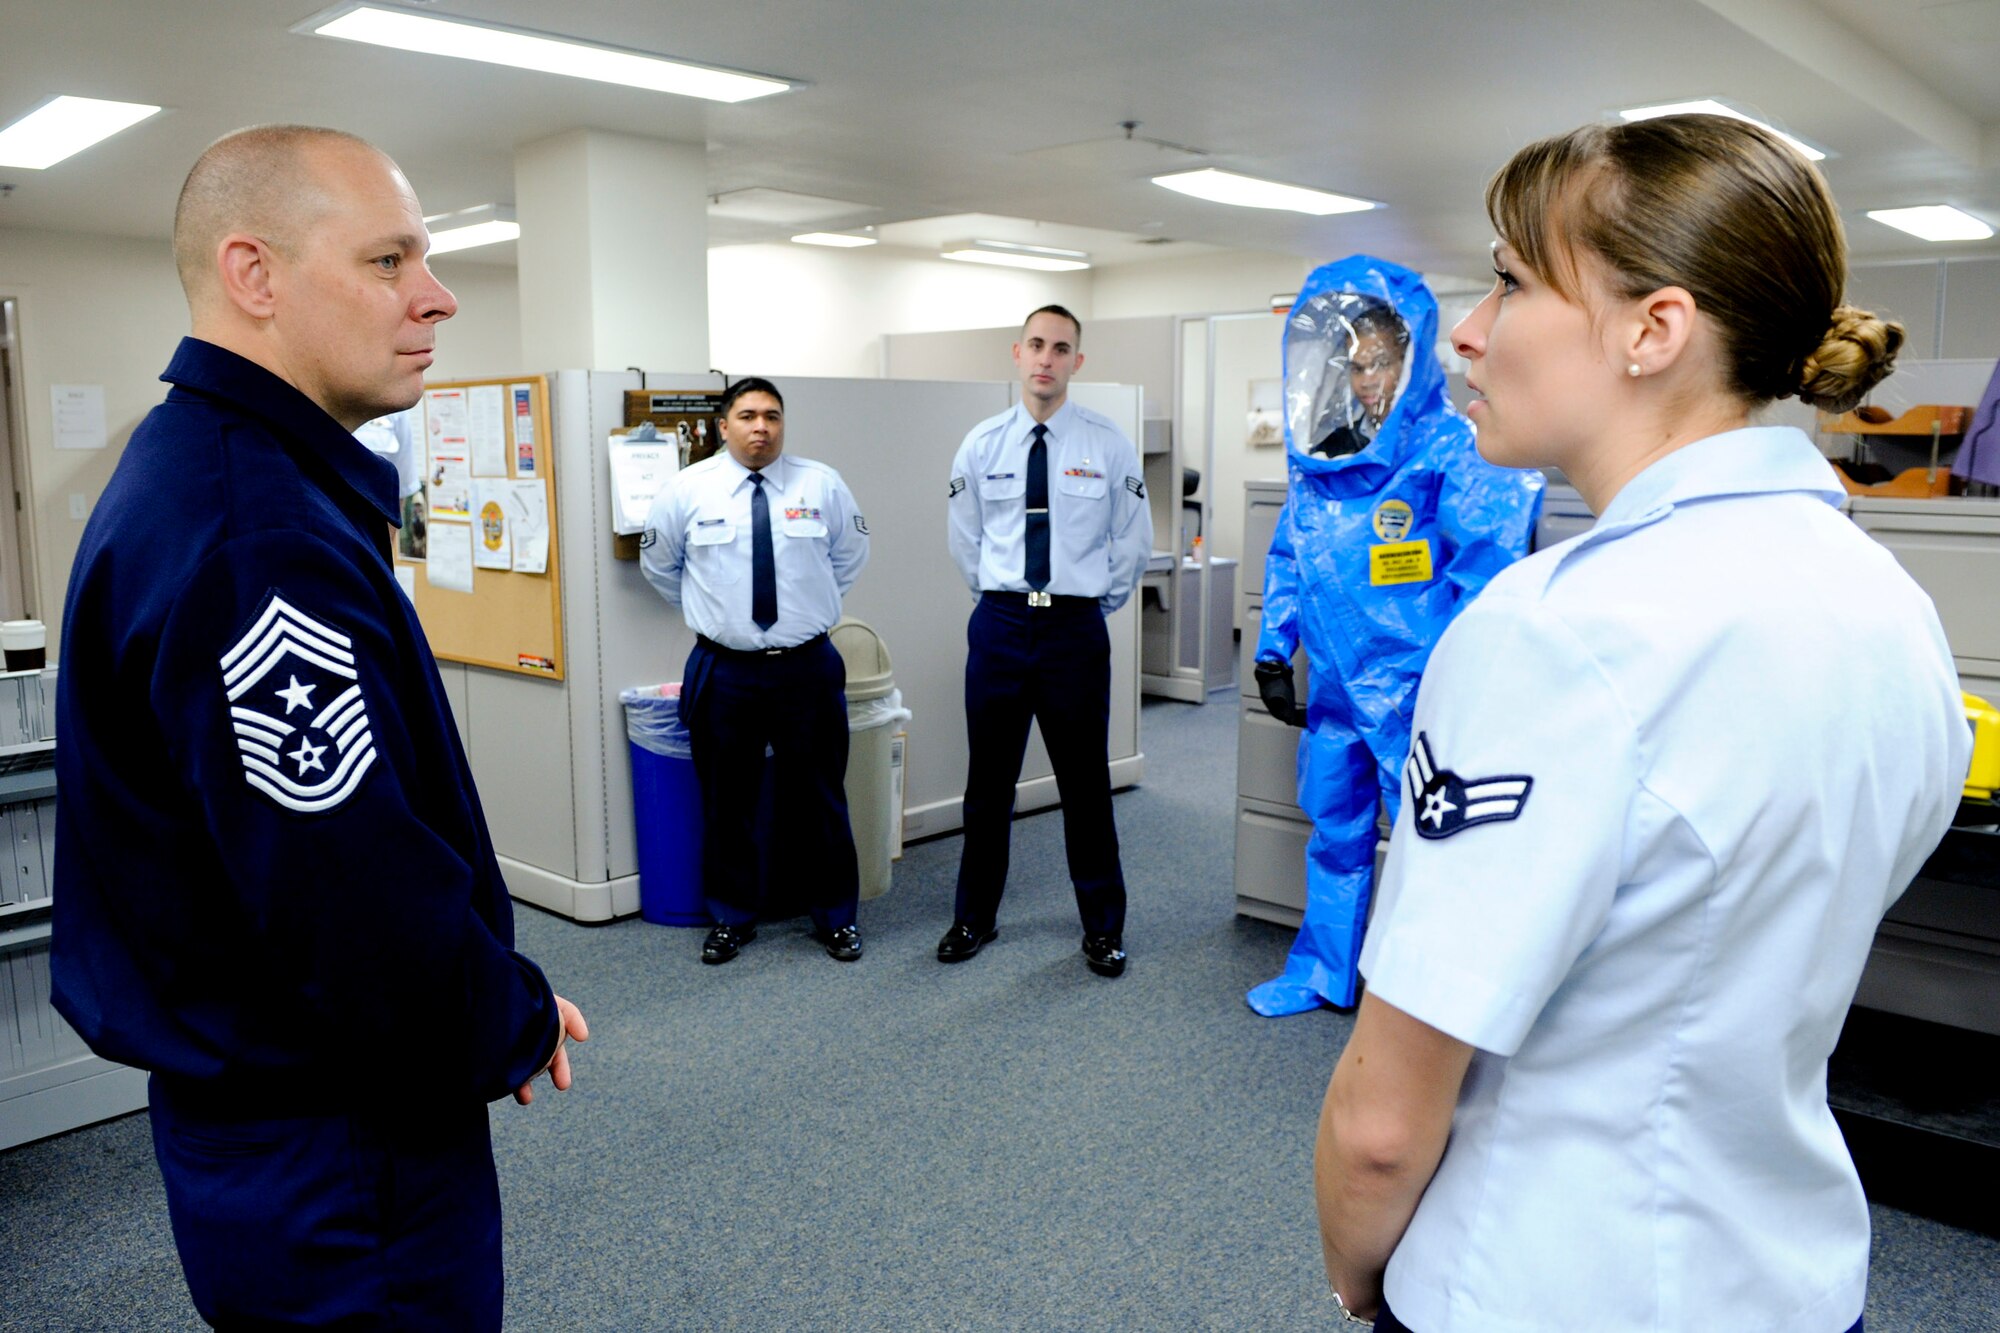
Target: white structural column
[613, 255]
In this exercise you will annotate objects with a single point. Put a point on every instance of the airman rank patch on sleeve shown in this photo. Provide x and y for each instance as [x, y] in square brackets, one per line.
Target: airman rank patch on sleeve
[296, 707]
[957, 485]
[1136, 486]
[1442, 803]
[861, 525]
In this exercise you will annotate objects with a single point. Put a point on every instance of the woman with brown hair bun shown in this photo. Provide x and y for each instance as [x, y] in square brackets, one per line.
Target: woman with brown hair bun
[1666, 778]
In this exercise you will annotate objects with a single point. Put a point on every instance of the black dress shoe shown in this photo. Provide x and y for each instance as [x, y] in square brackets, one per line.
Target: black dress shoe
[725, 942]
[843, 945]
[962, 941]
[1105, 954]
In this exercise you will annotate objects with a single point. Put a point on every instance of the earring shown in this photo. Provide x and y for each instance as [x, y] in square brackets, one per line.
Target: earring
[1633, 370]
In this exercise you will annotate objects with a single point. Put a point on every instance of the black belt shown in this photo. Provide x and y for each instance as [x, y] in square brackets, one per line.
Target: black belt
[724, 650]
[1040, 599]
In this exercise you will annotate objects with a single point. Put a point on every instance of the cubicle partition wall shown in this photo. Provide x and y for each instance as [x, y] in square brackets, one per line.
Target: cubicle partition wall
[551, 758]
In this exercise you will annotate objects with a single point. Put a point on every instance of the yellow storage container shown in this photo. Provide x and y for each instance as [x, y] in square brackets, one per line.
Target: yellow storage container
[1983, 779]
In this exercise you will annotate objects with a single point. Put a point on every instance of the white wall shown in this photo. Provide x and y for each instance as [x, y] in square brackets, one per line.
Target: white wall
[483, 340]
[1246, 349]
[804, 310]
[94, 310]
[1237, 280]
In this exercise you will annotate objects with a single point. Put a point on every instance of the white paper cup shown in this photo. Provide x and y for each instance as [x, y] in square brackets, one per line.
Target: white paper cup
[25, 644]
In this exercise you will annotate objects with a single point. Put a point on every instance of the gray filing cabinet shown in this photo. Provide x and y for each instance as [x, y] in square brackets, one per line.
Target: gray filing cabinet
[1271, 829]
[49, 1080]
[1937, 953]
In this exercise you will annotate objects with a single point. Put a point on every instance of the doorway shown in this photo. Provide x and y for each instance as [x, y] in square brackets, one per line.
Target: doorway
[17, 574]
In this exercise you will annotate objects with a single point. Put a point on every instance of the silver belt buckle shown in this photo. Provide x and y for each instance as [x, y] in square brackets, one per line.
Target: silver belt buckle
[1040, 599]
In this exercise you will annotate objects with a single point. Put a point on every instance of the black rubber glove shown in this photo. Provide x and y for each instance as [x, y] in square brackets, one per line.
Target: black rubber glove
[1274, 686]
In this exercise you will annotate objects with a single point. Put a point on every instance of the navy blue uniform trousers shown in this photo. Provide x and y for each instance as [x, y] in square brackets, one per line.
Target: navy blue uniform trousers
[388, 1219]
[733, 705]
[1050, 665]
[1386, 1321]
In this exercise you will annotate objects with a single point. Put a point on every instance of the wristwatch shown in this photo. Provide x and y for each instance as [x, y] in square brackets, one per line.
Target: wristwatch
[1349, 1319]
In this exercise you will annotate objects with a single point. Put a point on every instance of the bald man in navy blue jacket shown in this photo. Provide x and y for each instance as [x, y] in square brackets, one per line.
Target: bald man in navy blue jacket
[274, 884]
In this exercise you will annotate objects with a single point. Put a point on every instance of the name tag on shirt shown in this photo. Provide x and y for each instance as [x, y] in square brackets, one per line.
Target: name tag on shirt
[712, 532]
[1399, 562]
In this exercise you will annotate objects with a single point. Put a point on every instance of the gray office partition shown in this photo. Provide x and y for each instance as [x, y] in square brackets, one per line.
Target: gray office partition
[550, 757]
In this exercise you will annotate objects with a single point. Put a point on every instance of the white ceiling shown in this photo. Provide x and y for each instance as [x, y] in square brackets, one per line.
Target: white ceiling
[916, 109]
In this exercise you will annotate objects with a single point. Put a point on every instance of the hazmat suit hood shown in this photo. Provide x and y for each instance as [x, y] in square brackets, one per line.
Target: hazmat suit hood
[1325, 323]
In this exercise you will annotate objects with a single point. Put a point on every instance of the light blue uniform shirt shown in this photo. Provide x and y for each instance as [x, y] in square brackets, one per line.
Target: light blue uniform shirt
[1666, 778]
[696, 550]
[1100, 525]
[396, 438]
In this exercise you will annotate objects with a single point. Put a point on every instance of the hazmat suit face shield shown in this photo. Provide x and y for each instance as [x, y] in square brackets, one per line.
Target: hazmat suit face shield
[1346, 355]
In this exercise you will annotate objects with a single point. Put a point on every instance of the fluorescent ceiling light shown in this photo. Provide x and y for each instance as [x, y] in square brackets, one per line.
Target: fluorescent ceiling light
[1226, 187]
[488, 224]
[1012, 254]
[1708, 106]
[520, 48]
[1933, 222]
[840, 240]
[65, 126]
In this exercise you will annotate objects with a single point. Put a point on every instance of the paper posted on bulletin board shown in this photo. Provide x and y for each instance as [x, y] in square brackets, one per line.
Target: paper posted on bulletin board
[480, 525]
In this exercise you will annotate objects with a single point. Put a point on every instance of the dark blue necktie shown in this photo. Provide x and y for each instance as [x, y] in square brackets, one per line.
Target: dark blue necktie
[763, 564]
[1037, 570]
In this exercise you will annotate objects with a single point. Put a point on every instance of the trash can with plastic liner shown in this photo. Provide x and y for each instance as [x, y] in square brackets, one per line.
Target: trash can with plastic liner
[875, 713]
[666, 807]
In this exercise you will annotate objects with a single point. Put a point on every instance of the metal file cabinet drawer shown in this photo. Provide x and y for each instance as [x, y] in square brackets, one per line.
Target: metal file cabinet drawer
[1951, 547]
[1564, 515]
[1246, 676]
[27, 710]
[1262, 502]
[1979, 677]
[1271, 863]
[1267, 758]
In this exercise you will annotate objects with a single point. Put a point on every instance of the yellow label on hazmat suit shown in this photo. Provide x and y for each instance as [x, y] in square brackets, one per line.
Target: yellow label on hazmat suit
[1399, 562]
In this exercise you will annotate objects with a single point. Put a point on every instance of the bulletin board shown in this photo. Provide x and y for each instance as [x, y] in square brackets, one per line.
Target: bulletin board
[488, 464]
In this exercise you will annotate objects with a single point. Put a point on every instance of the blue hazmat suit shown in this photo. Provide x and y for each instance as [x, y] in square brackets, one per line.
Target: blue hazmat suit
[1376, 550]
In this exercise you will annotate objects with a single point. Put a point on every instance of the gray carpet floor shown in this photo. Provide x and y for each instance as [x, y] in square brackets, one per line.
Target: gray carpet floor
[788, 1143]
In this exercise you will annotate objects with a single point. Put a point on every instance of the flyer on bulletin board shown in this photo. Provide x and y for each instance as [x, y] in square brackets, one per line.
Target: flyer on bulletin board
[448, 471]
[523, 396]
[450, 563]
[493, 530]
[486, 413]
[528, 505]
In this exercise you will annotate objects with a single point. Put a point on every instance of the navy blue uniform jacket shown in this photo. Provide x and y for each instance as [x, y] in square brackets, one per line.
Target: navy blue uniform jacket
[274, 884]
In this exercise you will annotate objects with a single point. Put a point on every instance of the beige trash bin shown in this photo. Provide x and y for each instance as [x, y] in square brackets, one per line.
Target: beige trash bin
[875, 714]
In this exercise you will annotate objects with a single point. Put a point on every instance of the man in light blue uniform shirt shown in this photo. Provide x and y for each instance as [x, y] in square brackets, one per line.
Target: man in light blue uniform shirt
[1050, 526]
[757, 549]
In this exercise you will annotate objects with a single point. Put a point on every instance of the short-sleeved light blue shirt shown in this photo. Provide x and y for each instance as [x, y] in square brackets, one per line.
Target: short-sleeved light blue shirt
[696, 548]
[1667, 777]
[1100, 524]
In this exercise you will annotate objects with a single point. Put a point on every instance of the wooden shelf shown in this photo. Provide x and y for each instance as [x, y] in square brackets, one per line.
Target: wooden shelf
[1921, 420]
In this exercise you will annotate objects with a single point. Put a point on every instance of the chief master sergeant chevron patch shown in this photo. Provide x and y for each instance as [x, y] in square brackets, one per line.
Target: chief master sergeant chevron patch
[295, 703]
